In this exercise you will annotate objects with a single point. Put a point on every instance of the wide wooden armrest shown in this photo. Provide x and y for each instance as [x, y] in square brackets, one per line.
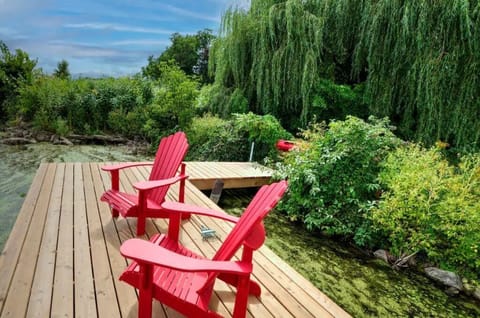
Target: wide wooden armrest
[149, 185]
[179, 207]
[148, 253]
[126, 165]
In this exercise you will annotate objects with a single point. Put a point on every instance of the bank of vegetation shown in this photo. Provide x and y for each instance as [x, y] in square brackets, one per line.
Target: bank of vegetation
[385, 94]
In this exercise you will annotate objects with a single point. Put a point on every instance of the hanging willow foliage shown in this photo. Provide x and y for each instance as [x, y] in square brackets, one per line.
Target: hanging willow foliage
[420, 60]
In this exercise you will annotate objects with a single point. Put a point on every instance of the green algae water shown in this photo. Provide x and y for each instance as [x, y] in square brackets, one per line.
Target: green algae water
[363, 286]
[18, 165]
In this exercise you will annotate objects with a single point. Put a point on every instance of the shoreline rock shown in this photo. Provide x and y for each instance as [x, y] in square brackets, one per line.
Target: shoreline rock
[451, 281]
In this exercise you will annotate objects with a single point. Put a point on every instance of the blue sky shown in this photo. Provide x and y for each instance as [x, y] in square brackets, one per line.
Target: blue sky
[103, 37]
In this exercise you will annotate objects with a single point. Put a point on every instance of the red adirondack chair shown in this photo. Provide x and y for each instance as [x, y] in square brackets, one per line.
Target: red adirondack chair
[151, 193]
[165, 270]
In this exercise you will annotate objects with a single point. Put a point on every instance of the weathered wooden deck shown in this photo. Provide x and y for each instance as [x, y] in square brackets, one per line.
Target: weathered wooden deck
[62, 257]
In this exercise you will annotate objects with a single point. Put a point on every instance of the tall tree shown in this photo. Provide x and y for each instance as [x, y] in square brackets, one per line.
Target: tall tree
[62, 70]
[16, 69]
[190, 53]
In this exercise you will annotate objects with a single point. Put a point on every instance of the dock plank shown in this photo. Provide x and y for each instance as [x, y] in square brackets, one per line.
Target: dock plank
[13, 246]
[41, 297]
[85, 304]
[19, 292]
[63, 293]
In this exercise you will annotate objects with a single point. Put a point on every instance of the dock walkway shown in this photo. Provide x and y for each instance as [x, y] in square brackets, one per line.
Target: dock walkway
[62, 257]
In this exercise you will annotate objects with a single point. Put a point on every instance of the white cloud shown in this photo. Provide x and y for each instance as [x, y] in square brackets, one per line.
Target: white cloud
[21, 7]
[11, 33]
[116, 27]
[190, 14]
[141, 42]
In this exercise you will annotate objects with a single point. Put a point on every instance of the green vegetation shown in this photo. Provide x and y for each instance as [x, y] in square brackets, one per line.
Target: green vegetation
[357, 181]
[333, 181]
[62, 70]
[16, 70]
[431, 207]
[189, 52]
[213, 138]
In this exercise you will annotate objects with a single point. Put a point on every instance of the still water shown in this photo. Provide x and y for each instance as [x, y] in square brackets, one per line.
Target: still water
[363, 286]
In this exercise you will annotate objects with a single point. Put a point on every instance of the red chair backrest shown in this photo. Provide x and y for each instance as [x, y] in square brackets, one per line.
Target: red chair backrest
[170, 154]
[246, 229]
[249, 229]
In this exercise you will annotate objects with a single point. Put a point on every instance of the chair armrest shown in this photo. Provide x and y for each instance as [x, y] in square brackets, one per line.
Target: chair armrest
[126, 165]
[145, 252]
[179, 207]
[149, 185]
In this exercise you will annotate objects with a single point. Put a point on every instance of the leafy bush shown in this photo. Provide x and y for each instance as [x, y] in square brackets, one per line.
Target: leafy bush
[264, 130]
[16, 71]
[173, 103]
[432, 207]
[215, 139]
[43, 102]
[333, 180]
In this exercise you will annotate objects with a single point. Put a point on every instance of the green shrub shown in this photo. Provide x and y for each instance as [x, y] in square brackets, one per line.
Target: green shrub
[61, 127]
[173, 104]
[264, 130]
[333, 179]
[215, 139]
[432, 207]
[43, 102]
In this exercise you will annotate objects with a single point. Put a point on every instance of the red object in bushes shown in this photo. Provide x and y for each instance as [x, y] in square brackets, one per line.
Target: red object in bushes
[284, 145]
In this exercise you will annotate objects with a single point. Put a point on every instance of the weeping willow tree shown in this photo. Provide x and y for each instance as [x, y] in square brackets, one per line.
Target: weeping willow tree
[423, 67]
[419, 59]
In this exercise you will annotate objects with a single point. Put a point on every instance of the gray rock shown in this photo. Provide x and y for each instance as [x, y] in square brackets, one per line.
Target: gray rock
[446, 278]
[381, 254]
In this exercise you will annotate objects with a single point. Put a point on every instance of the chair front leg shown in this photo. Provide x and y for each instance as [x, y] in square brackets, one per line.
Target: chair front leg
[241, 300]
[145, 292]
[181, 190]
[142, 213]
[115, 175]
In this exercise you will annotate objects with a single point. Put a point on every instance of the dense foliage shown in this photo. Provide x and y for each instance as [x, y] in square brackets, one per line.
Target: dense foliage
[431, 207]
[132, 107]
[333, 178]
[16, 70]
[213, 138]
[419, 61]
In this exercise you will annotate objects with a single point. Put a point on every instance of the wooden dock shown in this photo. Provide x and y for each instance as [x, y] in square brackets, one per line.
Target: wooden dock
[62, 257]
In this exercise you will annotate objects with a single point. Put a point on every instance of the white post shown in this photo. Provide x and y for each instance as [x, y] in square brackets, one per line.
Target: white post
[251, 151]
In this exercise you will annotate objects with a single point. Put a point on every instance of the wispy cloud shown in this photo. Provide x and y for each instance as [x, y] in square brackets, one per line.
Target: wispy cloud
[190, 14]
[10, 33]
[141, 42]
[116, 27]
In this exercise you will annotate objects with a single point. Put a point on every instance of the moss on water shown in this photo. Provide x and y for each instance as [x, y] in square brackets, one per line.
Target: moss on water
[363, 286]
